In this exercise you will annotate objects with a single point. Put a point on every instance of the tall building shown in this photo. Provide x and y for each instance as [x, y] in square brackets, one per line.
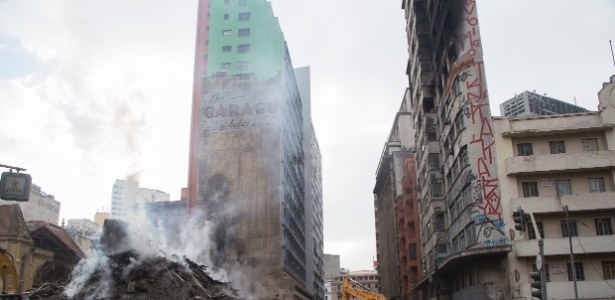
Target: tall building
[546, 164]
[254, 164]
[396, 219]
[126, 196]
[332, 265]
[367, 278]
[40, 207]
[532, 104]
[463, 236]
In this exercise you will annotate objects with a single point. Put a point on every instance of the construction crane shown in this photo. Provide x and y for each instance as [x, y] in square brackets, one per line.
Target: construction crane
[358, 290]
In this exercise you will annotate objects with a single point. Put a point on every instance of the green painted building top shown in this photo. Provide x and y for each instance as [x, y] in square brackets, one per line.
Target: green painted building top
[244, 38]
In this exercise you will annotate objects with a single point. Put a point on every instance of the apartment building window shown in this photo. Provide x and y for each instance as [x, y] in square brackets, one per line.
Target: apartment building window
[589, 144]
[243, 65]
[242, 3]
[244, 16]
[227, 48]
[532, 233]
[226, 16]
[226, 66]
[244, 32]
[580, 274]
[608, 269]
[243, 48]
[557, 147]
[573, 228]
[412, 251]
[433, 159]
[604, 226]
[525, 149]
[227, 32]
[562, 187]
[596, 185]
[530, 189]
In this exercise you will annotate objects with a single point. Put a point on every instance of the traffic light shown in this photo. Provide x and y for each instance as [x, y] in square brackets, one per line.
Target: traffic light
[519, 218]
[536, 284]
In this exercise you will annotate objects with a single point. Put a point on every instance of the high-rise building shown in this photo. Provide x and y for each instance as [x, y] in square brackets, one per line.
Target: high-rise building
[395, 216]
[463, 235]
[532, 104]
[254, 165]
[126, 196]
[549, 165]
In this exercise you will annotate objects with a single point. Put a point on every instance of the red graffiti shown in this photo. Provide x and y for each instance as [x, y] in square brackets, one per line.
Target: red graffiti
[477, 97]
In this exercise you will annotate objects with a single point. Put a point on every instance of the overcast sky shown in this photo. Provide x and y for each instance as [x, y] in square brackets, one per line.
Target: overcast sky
[95, 90]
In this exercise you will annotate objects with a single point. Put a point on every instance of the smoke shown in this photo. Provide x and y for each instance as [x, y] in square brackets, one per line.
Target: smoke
[205, 236]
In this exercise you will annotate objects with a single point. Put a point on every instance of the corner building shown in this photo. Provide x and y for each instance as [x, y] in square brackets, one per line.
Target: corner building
[254, 166]
[463, 236]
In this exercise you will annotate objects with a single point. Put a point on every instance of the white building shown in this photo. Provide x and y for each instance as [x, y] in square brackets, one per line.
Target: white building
[40, 207]
[127, 195]
[546, 164]
[83, 225]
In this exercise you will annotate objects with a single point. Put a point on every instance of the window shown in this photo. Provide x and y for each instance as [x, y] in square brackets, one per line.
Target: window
[589, 144]
[573, 228]
[525, 149]
[532, 233]
[244, 16]
[243, 65]
[433, 159]
[557, 147]
[242, 3]
[243, 32]
[226, 16]
[227, 32]
[412, 251]
[530, 189]
[562, 187]
[580, 274]
[226, 66]
[596, 185]
[243, 48]
[604, 227]
[608, 269]
[227, 48]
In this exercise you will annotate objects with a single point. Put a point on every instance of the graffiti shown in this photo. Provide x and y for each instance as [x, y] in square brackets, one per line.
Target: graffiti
[513, 234]
[494, 292]
[517, 275]
[503, 241]
[485, 189]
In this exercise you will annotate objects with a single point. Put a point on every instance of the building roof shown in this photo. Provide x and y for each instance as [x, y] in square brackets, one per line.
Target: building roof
[12, 223]
[55, 238]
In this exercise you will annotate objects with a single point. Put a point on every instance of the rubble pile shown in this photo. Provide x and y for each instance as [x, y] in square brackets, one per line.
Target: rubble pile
[119, 272]
[154, 278]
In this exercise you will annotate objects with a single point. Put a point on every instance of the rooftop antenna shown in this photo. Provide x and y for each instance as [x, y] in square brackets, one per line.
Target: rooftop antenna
[612, 52]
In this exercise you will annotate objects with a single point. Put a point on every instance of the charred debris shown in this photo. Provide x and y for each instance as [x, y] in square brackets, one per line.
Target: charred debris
[126, 274]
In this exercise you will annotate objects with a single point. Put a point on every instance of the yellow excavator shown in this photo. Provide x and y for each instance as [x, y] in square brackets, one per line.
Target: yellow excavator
[358, 290]
[10, 281]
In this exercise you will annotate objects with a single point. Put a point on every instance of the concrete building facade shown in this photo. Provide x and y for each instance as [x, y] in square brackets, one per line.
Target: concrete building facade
[40, 207]
[332, 266]
[463, 239]
[396, 219]
[532, 104]
[254, 166]
[127, 196]
[546, 163]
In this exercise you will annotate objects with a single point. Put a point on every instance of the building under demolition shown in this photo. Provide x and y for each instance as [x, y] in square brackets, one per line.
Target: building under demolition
[254, 169]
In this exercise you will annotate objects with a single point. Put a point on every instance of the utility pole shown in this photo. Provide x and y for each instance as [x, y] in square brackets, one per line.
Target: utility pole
[572, 266]
[540, 262]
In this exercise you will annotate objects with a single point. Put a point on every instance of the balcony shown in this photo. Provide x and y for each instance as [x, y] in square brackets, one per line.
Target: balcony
[602, 289]
[560, 246]
[555, 163]
[584, 202]
[548, 125]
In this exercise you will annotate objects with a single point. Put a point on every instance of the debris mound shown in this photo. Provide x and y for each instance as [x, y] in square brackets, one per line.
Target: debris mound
[150, 278]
